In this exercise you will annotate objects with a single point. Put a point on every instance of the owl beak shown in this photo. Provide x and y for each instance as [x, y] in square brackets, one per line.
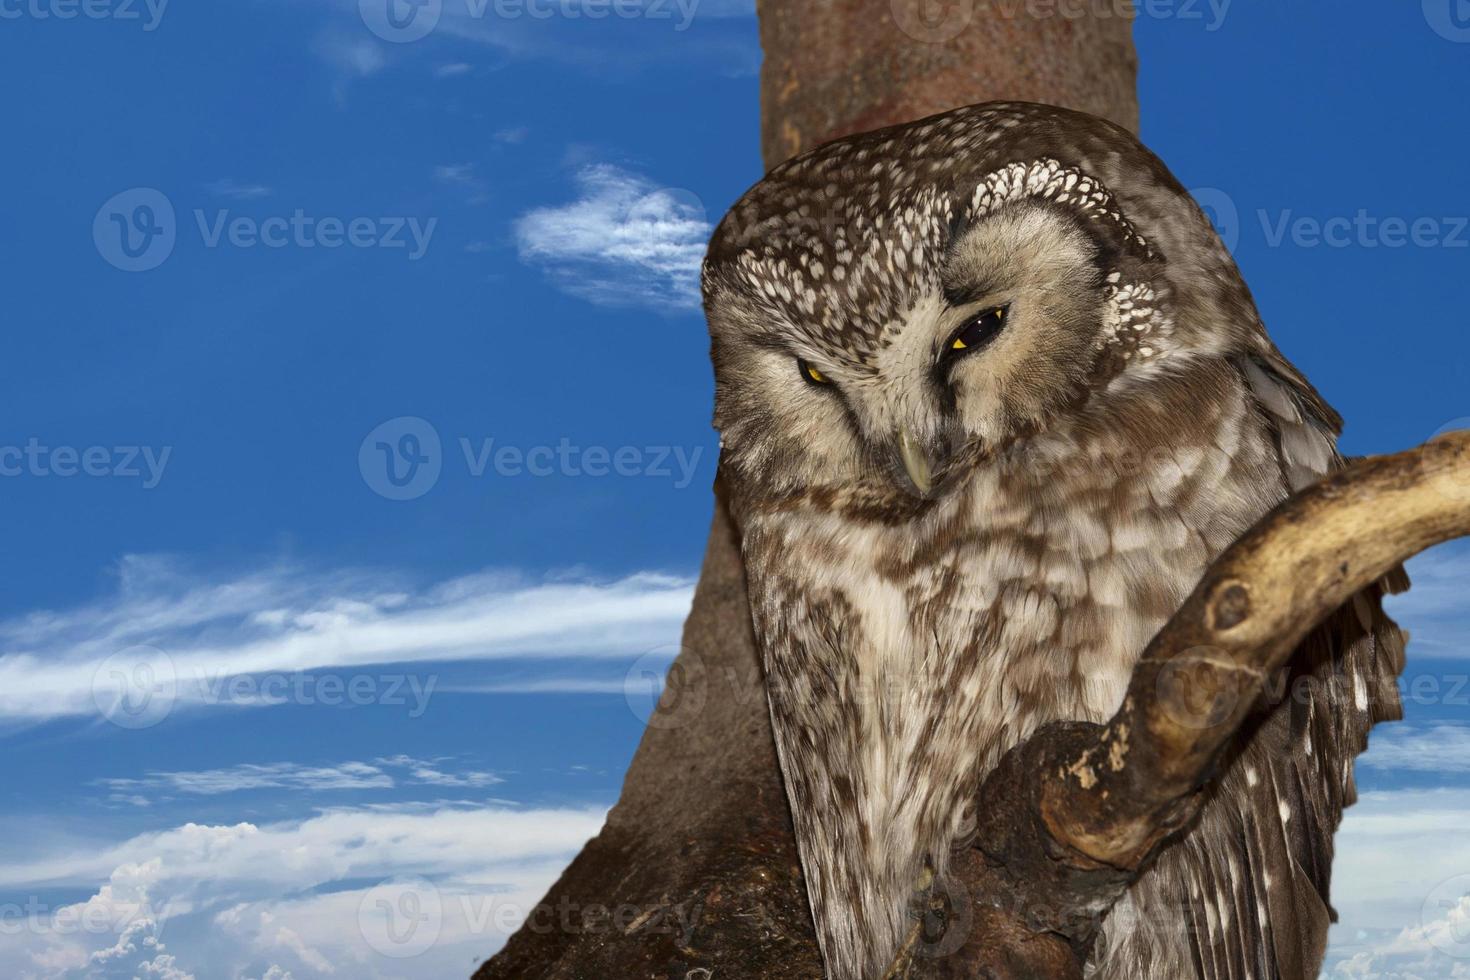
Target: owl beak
[915, 461]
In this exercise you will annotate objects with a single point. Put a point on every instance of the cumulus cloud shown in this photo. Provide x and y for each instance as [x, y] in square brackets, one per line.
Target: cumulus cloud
[624, 241]
[297, 900]
[1401, 883]
[171, 639]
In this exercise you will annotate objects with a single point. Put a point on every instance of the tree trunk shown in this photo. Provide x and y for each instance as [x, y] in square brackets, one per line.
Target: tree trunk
[695, 875]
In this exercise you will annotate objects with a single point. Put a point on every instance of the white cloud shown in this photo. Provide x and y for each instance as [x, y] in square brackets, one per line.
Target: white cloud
[1435, 610]
[1439, 748]
[177, 639]
[683, 31]
[455, 173]
[294, 901]
[1400, 883]
[251, 776]
[624, 241]
[351, 55]
[341, 777]
[463, 175]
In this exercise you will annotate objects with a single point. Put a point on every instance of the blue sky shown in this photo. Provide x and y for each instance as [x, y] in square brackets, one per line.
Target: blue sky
[471, 255]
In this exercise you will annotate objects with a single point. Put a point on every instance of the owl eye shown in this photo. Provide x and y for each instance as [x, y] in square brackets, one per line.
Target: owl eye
[811, 374]
[978, 332]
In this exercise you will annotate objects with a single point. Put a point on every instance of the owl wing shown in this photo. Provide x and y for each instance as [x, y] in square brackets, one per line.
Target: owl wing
[1248, 886]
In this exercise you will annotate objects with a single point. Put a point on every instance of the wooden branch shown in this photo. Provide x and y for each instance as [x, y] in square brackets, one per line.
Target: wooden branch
[1074, 815]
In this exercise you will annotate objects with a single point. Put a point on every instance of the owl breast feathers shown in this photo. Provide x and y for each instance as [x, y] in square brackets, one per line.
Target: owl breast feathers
[992, 395]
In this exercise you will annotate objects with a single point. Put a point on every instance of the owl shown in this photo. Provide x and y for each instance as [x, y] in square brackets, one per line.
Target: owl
[992, 395]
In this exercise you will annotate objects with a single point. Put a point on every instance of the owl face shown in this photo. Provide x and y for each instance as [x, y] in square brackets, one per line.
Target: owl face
[892, 310]
[999, 334]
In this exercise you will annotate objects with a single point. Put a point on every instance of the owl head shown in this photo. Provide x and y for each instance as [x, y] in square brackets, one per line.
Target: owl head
[891, 310]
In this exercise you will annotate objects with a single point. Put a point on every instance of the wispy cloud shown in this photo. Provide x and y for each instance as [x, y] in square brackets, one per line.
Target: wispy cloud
[624, 241]
[463, 176]
[276, 775]
[355, 56]
[384, 773]
[1436, 610]
[663, 31]
[431, 773]
[168, 624]
[310, 898]
[349, 57]
[1439, 748]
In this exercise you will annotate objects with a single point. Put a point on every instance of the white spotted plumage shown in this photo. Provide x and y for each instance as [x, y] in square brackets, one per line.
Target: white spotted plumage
[1123, 421]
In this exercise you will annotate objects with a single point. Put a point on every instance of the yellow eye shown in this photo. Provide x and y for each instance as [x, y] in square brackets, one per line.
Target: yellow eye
[811, 374]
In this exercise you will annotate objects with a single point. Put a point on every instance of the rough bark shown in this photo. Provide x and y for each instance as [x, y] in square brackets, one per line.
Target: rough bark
[696, 869]
[837, 67]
